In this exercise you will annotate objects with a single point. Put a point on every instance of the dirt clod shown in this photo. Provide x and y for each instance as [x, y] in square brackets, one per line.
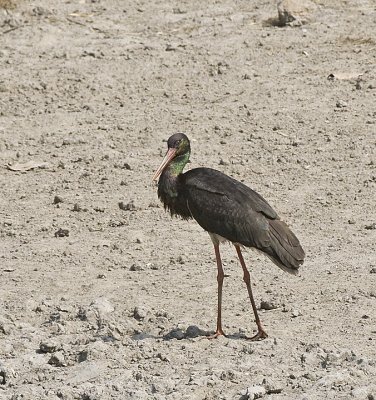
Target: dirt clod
[57, 360]
[49, 346]
[130, 206]
[62, 232]
[58, 199]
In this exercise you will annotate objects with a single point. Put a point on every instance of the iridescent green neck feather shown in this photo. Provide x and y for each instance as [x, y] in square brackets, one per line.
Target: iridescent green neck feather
[178, 163]
[168, 186]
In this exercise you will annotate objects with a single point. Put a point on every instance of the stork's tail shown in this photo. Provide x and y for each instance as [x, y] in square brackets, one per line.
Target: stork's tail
[285, 249]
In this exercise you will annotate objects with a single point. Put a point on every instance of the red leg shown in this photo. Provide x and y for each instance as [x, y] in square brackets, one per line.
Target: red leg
[261, 334]
[220, 278]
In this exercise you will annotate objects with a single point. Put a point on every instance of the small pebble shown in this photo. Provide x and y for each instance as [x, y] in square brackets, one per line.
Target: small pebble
[268, 305]
[170, 47]
[341, 104]
[272, 387]
[48, 346]
[127, 206]
[3, 375]
[135, 267]
[309, 376]
[180, 260]
[361, 392]
[223, 162]
[254, 392]
[228, 375]
[162, 357]
[62, 232]
[77, 207]
[139, 313]
[296, 313]
[5, 326]
[102, 305]
[57, 360]
[194, 331]
[58, 199]
[82, 356]
[175, 333]
[371, 226]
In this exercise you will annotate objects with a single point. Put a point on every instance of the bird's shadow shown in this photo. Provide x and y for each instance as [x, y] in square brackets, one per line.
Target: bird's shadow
[191, 332]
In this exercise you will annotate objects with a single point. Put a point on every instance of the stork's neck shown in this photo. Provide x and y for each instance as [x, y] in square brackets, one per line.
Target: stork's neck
[177, 165]
[169, 177]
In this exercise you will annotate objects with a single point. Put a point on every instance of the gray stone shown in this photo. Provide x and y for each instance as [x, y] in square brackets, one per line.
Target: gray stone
[295, 313]
[5, 326]
[62, 232]
[130, 206]
[57, 359]
[341, 104]
[58, 199]
[194, 331]
[360, 392]
[77, 207]
[3, 376]
[295, 12]
[254, 392]
[136, 267]
[175, 333]
[102, 305]
[268, 305]
[336, 378]
[49, 346]
[139, 313]
[271, 386]
[364, 392]
[85, 372]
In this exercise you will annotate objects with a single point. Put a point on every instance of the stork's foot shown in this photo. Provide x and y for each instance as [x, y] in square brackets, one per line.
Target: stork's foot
[218, 332]
[260, 335]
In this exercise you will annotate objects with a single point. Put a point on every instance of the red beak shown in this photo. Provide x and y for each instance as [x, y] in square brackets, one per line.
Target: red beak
[167, 159]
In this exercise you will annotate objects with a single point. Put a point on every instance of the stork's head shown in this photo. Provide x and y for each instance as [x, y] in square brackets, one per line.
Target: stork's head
[178, 147]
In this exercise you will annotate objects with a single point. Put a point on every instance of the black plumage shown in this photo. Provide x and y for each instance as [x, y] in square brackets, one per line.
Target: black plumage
[228, 210]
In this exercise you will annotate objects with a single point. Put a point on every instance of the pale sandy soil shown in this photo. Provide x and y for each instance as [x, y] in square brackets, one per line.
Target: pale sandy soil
[93, 89]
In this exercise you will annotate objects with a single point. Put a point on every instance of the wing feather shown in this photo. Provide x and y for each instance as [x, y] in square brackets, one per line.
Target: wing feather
[213, 181]
[228, 208]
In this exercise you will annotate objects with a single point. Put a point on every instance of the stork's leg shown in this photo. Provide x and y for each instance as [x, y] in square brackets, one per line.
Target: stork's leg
[220, 277]
[261, 334]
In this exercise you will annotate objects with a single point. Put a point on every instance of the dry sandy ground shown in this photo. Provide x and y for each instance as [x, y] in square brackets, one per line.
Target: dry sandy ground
[90, 91]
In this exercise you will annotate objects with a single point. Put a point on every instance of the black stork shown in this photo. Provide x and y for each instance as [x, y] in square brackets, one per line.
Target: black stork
[229, 211]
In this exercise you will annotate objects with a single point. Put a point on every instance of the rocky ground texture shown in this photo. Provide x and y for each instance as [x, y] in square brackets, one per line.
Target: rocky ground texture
[102, 295]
